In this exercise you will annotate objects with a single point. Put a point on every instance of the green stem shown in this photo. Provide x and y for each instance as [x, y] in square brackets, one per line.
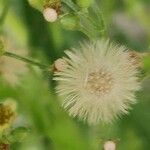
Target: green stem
[42, 66]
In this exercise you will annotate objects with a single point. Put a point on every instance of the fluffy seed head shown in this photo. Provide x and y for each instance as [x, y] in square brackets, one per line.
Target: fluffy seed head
[99, 83]
[50, 14]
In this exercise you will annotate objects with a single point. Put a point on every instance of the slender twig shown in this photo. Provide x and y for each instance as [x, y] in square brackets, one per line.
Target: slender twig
[42, 66]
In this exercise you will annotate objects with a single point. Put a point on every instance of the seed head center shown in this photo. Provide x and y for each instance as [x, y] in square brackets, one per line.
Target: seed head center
[99, 82]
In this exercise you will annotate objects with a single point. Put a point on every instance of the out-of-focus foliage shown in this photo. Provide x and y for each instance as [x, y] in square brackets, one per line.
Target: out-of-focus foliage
[50, 128]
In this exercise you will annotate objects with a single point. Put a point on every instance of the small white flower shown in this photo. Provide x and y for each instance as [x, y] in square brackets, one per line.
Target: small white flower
[109, 145]
[50, 14]
[99, 83]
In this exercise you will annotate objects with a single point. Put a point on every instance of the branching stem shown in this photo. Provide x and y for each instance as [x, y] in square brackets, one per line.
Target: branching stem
[42, 66]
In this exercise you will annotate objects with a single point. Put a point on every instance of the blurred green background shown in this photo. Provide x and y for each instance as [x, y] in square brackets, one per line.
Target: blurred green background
[25, 30]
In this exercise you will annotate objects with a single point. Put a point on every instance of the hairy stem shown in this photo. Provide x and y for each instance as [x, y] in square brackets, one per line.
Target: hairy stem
[42, 66]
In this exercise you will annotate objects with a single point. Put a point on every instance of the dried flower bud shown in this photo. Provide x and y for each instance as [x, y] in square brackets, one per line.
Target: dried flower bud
[109, 145]
[7, 114]
[60, 64]
[137, 57]
[4, 146]
[50, 14]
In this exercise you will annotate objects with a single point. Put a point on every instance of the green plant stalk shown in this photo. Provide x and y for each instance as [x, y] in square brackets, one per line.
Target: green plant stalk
[42, 66]
[101, 30]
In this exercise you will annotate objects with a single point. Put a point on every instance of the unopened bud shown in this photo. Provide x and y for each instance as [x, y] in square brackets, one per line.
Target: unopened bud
[109, 145]
[50, 14]
[60, 64]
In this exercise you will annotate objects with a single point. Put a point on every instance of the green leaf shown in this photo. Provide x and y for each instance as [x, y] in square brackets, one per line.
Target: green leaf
[18, 135]
[91, 22]
[70, 22]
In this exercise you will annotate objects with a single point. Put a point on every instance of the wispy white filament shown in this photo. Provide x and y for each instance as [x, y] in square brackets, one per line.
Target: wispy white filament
[99, 83]
[50, 14]
[109, 145]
